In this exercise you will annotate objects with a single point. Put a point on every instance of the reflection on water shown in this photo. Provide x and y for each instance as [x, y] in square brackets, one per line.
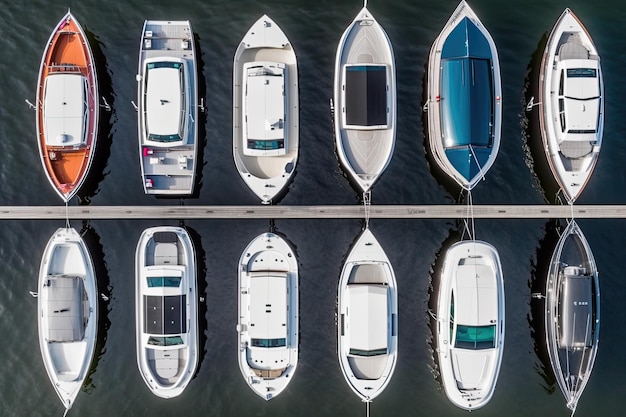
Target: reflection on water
[105, 123]
[433, 293]
[104, 294]
[536, 318]
[201, 294]
[532, 144]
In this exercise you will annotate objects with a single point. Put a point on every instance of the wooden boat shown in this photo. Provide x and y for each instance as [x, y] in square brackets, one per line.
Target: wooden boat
[464, 118]
[267, 328]
[67, 107]
[365, 100]
[168, 108]
[572, 104]
[265, 109]
[572, 313]
[367, 327]
[470, 323]
[67, 317]
[166, 310]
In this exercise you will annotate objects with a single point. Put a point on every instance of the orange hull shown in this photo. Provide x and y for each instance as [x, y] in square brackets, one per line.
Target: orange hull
[67, 52]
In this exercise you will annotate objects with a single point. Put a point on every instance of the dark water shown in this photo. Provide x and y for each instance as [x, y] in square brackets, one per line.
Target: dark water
[525, 386]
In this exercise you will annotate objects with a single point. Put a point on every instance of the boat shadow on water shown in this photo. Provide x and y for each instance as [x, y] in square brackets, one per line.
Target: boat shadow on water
[202, 117]
[104, 293]
[539, 266]
[454, 236]
[532, 144]
[105, 123]
[201, 285]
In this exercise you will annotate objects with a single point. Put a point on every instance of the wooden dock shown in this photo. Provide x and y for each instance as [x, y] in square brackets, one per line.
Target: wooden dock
[313, 212]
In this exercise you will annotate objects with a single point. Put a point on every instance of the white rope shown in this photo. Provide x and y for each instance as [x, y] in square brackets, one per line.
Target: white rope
[480, 169]
[367, 408]
[367, 205]
[67, 215]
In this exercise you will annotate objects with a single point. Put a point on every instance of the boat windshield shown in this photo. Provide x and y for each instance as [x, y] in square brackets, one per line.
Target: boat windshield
[269, 343]
[475, 337]
[164, 282]
[165, 341]
[367, 353]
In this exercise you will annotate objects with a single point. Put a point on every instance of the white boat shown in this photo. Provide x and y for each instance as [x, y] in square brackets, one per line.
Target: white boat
[168, 108]
[572, 313]
[166, 310]
[367, 325]
[470, 323]
[572, 104]
[67, 317]
[267, 327]
[464, 118]
[265, 109]
[365, 100]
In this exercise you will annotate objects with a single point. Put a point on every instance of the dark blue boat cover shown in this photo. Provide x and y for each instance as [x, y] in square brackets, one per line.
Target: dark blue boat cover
[464, 162]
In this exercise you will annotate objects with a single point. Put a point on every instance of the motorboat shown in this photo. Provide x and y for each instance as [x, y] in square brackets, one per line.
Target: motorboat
[464, 98]
[470, 323]
[167, 108]
[572, 104]
[265, 109]
[367, 327]
[365, 100]
[166, 309]
[67, 107]
[267, 326]
[572, 313]
[67, 315]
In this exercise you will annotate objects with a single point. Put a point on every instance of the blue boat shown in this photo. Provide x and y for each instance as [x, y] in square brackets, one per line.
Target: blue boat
[464, 98]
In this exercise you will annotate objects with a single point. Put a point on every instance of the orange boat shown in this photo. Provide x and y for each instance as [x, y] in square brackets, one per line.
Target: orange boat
[67, 107]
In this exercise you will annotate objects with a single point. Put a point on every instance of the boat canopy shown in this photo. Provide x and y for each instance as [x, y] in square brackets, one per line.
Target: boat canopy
[579, 99]
[366, 96]
[467, 90]
[576, 302]
[164, 95]
[64, 308]
[268, 307]
[165, 315]
[476, 296]
[368, 319]
[264, 108]
[65, 109]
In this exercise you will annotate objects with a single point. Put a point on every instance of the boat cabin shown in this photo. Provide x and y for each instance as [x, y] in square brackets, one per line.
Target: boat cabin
[474, 312]
[265, 104]
[166, 102]
[366, 96]
[65, 110]
[65, 308]
[576, 300]
[268, 327]
[579, 101]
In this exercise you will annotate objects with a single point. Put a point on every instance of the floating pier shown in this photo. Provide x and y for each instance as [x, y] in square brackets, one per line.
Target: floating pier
[314, 212]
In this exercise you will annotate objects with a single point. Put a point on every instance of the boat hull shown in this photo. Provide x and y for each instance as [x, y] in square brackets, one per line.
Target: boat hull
[67, 107]
[166, 310]
[265, 171]
[571, 120]
[367, 298]
[572, 292]
[67, 305]
[470, 323]
[365, 100]
[464, 119]
[267, 328]
[168, 108]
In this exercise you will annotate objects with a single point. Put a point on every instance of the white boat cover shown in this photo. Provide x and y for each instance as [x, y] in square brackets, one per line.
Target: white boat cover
[64, 109]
